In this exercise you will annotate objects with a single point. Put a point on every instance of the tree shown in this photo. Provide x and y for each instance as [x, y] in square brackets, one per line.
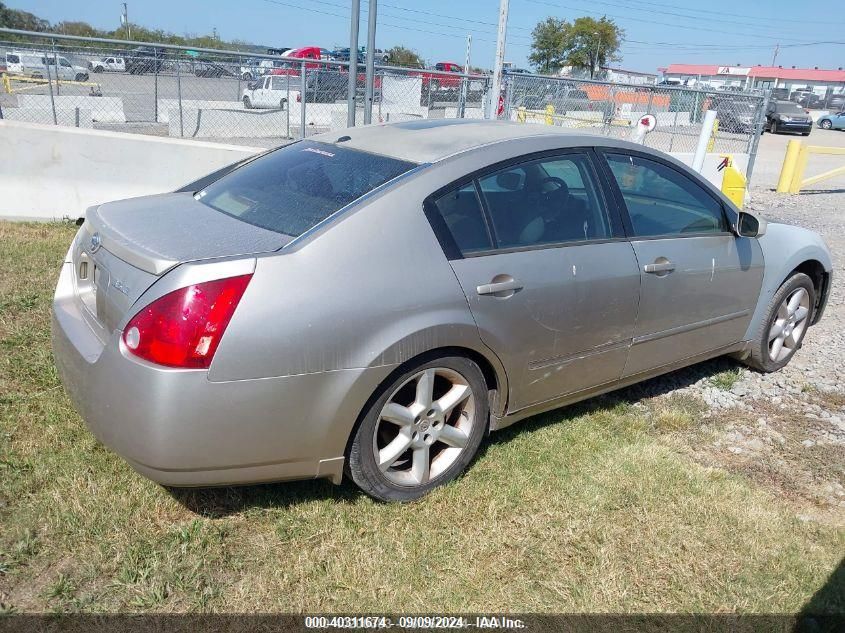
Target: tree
[548, 47]
[401, 56]
[586, 43]
[16, 19]
[591, 43]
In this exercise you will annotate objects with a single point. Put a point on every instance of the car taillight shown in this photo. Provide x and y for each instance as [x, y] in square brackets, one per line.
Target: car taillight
[184, 327]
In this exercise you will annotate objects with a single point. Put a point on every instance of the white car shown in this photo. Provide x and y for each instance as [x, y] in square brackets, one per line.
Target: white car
[270, 92]
[108, 64]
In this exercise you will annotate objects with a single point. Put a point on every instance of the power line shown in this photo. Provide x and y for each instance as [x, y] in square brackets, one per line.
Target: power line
[653, 22]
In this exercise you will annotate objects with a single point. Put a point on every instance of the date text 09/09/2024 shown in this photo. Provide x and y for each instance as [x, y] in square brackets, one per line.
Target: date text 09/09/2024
[413, 622]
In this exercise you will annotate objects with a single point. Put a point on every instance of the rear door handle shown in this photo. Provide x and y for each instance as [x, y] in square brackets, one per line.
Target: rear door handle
[659, 267]
[494, 288]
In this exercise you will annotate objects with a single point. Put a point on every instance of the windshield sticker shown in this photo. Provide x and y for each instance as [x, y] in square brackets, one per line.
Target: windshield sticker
[318, 151]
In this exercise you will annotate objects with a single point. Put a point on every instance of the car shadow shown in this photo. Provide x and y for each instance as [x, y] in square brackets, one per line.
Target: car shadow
[825, 610]
[225, 501]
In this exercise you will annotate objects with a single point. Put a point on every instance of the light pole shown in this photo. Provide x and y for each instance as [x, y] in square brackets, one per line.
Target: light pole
[126, 22]
[496, 88]
[353, 63]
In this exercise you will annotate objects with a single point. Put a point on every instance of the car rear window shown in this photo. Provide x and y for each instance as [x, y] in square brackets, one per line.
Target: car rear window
[298, 186]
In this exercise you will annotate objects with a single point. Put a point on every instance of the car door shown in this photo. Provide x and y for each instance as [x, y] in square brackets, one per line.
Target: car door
[550, 280]
[262, 93]
[839, 121]
[699, 281]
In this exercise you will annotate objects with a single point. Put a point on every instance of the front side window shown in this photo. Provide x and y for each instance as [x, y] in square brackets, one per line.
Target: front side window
[663, 201]
[12, 59]
[65, 63]
[296, 187]
[547, 201]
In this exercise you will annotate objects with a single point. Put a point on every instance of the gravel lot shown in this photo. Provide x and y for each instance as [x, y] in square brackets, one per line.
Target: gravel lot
[787, 428]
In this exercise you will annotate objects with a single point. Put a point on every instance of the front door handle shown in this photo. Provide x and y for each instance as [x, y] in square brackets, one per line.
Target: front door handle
[660, 266]
[503, 288]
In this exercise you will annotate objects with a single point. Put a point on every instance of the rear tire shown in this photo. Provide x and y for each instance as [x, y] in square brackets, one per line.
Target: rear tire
[247, 103]
[782, 331]
[825, 124]
[421, 431]
[774, 127]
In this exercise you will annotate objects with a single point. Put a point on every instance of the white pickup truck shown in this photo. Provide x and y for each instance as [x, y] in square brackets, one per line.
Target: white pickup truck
[108, 64]
[271, 92]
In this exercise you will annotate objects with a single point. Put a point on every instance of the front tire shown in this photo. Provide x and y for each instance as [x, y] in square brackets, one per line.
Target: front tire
[774, 127]
[782, 331]
[422, 430]
[825, 124]
[247, 103]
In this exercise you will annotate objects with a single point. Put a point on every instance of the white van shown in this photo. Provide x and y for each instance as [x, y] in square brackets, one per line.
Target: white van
[38, 65]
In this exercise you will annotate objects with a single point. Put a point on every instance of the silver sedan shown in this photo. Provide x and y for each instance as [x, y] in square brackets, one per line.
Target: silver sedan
[374, 302]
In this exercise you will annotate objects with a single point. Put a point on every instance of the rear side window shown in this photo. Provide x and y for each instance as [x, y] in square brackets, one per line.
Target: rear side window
[663, 201]
[461, 212]
[12, 59]
[298, 186]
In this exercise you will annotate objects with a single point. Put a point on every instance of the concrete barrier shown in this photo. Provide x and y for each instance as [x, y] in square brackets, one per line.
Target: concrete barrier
[74, 117]
[103, 109]
[212, 123]
[59, 171]
[166, 106]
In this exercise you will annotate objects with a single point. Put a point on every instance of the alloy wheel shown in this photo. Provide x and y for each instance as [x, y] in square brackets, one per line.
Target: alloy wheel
[789, 324]
[424, 426]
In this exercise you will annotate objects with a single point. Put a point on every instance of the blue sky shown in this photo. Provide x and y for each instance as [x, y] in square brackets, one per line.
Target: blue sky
[657, 32]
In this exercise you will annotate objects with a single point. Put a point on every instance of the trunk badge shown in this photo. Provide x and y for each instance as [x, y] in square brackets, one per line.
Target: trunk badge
[96, 243]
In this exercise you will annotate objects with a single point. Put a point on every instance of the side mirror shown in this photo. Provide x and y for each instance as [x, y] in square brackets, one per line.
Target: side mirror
[748, 225]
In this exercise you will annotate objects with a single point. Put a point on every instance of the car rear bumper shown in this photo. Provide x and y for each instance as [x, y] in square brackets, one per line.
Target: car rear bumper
[179, 428]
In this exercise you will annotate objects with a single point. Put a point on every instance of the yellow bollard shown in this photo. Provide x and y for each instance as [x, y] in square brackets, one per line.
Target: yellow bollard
[800, 166]
[734, 183]
[520, 114]
[7, 83]
[550, 114]
[793, 148]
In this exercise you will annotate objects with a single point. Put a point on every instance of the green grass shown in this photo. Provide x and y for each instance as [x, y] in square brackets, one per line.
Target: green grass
[590, 508]
[726, 379]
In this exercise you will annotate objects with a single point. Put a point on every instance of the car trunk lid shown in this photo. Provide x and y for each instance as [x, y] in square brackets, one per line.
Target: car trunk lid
[125, 246]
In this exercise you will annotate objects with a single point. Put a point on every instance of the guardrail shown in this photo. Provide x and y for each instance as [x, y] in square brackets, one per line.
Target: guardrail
[795, 163]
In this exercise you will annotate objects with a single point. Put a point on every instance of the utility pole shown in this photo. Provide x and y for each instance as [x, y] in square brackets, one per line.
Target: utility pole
[464, 81]
[126, 22]
[370, 63]
[353, 63]
[595, 67]
[775, 56]
[496, 88]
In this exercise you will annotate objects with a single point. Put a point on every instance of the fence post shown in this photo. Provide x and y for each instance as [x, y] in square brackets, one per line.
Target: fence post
[758, 132]
[52, 100]
[240, 63]
[56, 66]
[462, 98]
[155, 88]
[302, 92]
[77, 116]
[287, 102]
[179, 94]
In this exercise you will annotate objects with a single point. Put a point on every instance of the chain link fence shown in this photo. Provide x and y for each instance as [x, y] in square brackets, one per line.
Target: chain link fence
[263, 99]
[612, 109]
[215, 95]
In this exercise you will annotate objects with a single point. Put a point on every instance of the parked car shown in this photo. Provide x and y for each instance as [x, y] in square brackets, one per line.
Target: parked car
[834, 121]
[145, 59]
[735, 115]
[107, 64]
[211, 68]
[786, 116]
[254, 68]
[835, 102]
[374, 302]
[270, 92]
[342, 55]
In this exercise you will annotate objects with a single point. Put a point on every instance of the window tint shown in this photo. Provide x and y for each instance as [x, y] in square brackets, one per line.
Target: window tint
[662, 201]
[12, 59]
[461, 211]
[294, 188]
[545, 202]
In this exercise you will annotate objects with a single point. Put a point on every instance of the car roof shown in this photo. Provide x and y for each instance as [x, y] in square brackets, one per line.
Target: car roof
[432, 140]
